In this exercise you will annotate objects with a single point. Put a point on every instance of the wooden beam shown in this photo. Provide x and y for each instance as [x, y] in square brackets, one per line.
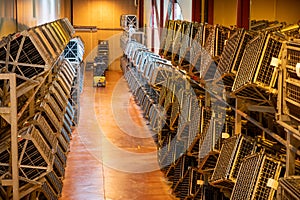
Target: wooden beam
[141, 13]
[243, 14]
[196, 10]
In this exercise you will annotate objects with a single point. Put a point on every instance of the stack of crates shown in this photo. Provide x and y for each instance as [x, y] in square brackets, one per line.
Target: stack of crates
[101, 63]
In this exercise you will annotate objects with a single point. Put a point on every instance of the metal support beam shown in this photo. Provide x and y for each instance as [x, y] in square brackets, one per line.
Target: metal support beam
[238, 117]
[290, 155]
[14, 133]
[14, 136]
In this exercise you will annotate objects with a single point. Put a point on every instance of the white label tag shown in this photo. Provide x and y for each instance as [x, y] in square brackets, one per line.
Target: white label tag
[298, 69]
[272, 183]
[274, 62]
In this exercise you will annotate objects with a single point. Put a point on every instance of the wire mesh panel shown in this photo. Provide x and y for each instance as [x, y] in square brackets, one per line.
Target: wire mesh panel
[175, 112]
[184, 186]
[47, 132]
[35, 156]
[257, 72]
[63, 143]
[233, 151]
[172, 29]
[51, 116]
[188, 38]
[289, 99]
[289, 188]
[58, 167]
[55, 182]
[160, 74]
[61, 155]
[48, 192]
[196, 51]
[195, 113]
[36, 137]
[178, 34]
[74, 50]
[256, 178]
[215, 39]
[56, 90]
[166, 152]
[231, 56]
[128, 21]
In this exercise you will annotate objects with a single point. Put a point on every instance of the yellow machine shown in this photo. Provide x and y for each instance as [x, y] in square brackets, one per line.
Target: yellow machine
[99, 81]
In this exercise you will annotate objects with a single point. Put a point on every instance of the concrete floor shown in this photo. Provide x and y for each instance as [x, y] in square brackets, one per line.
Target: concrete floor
[112, 154]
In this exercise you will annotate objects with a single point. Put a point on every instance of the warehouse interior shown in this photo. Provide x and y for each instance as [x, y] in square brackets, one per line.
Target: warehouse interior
[149, 99]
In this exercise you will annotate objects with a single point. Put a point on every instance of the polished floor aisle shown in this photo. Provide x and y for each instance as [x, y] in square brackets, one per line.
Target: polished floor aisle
[112, 154]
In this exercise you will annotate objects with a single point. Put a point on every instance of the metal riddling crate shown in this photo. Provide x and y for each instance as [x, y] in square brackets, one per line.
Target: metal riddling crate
[215, 37]
[181, 166]
[156, 117]
[183, 133]
[61, 155]
[129, 21]
[166, 151]
[289, 97]
[29, 54]
[208, 67]
[162, 95]
[257, 73]
[194, 31]
[56, 90]
[54, 106]
[140, 95]
[70, 110]
[48, 191]
[184, 188]
[233, 151]
[138, 55]
[35, 156]
[195, 115]
[65, 134]
[67, 123]
[212, 136]
[289, 188]
[69, 70]
[58, 167]
[63, 143]
[257, 178]
[38, 140]
[169, 99]
[164, 35]
[55, 182]
[146, 105]
[175, 112]
[183, 28]
[74, 50]
[50, 115]
[65, 86]
[231, 56]
[160, 74]
[145, 62]
[172, 29]
[48, 133]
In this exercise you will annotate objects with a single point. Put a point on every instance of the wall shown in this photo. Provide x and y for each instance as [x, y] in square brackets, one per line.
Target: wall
[7, 20]
[186, 8]
[30, 13]
[104, 14]
[225, 12]
[280, 10]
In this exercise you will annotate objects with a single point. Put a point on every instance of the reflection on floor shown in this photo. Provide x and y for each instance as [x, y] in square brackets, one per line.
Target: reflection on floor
[112, 154]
